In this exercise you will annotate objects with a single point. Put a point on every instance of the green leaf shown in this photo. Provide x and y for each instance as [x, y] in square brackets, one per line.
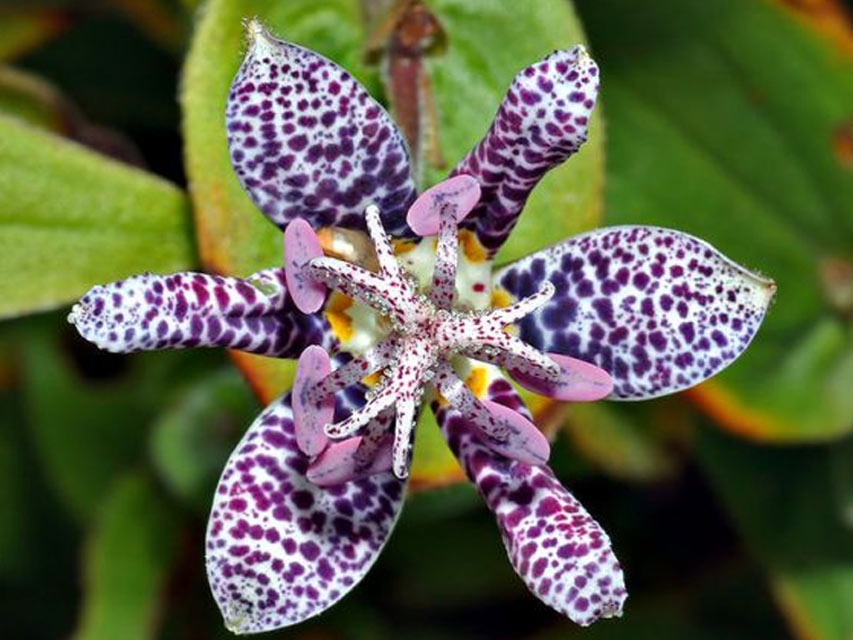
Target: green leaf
[724, 120]
[783, 503]
[192, 438]
[88, 431]
[24, 29]
[631, 442]
[72, 218]
[16, 536]
[29, 98]
[127, 562]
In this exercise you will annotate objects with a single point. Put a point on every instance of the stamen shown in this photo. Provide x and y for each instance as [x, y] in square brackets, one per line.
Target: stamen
[446, 258]
[525, 306]
[358, 419]
[453, 389]
[354, 370]
[503, 430]
[393, 297]
[501, 349]
[388, 265]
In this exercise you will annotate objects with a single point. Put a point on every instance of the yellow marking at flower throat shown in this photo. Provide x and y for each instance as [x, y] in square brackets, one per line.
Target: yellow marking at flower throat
[403, 246]
[373, 379]
[477, 381]
[500, 298]
[336, 314]
[471, 247]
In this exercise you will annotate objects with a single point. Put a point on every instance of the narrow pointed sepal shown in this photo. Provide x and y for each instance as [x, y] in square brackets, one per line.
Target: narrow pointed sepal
[184, 310]
[541, 122]
[658, 309]
[307, 140]
[281, 549]
[560, 552]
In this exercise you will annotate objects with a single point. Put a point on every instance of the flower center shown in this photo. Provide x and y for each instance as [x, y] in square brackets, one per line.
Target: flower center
[427, 332]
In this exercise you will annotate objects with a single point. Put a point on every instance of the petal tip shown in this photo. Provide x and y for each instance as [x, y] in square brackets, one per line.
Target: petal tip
[257, 34]
[96, 319]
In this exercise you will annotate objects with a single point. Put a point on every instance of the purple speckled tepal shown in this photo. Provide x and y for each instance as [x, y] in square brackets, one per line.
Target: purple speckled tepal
[280, 549]
[185, 310]
[541, 122]
[560, 552]
[658, 309]
[308, 141]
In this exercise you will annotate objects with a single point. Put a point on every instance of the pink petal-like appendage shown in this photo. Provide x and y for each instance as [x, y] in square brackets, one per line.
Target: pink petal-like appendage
[301, 245]
[502, 429]
[579, 381]
[525, 442]
[541, 122]
[184, 310]
[342, 463]
[658, 309]
[280, 549]
[311, 411]
[306, 140]
[460, 193]
[562, 554]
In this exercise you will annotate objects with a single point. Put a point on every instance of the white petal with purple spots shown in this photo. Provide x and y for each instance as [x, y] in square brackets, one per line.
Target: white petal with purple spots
[555, 546]
[541, 122]
[280, 549]
[658, 309]
[308, 141]
[183, 310]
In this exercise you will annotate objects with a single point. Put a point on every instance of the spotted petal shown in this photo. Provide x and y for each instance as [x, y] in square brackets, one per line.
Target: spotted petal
[658, 309]
[540, 123]
[181, 310]
[561, 553]
[308, 141]
[281, 549]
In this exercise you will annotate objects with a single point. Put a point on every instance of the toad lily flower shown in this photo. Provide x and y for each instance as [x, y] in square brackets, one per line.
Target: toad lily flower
[311, 493]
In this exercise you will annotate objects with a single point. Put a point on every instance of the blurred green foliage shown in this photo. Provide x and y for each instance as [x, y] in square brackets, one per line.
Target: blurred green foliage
[730, 119]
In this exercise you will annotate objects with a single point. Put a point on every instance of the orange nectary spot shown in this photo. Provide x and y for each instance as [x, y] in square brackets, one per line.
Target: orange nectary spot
[471, 247]
[373, 379]
[337, 316]
[477, 381]
[500, 298]
[403, 246]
